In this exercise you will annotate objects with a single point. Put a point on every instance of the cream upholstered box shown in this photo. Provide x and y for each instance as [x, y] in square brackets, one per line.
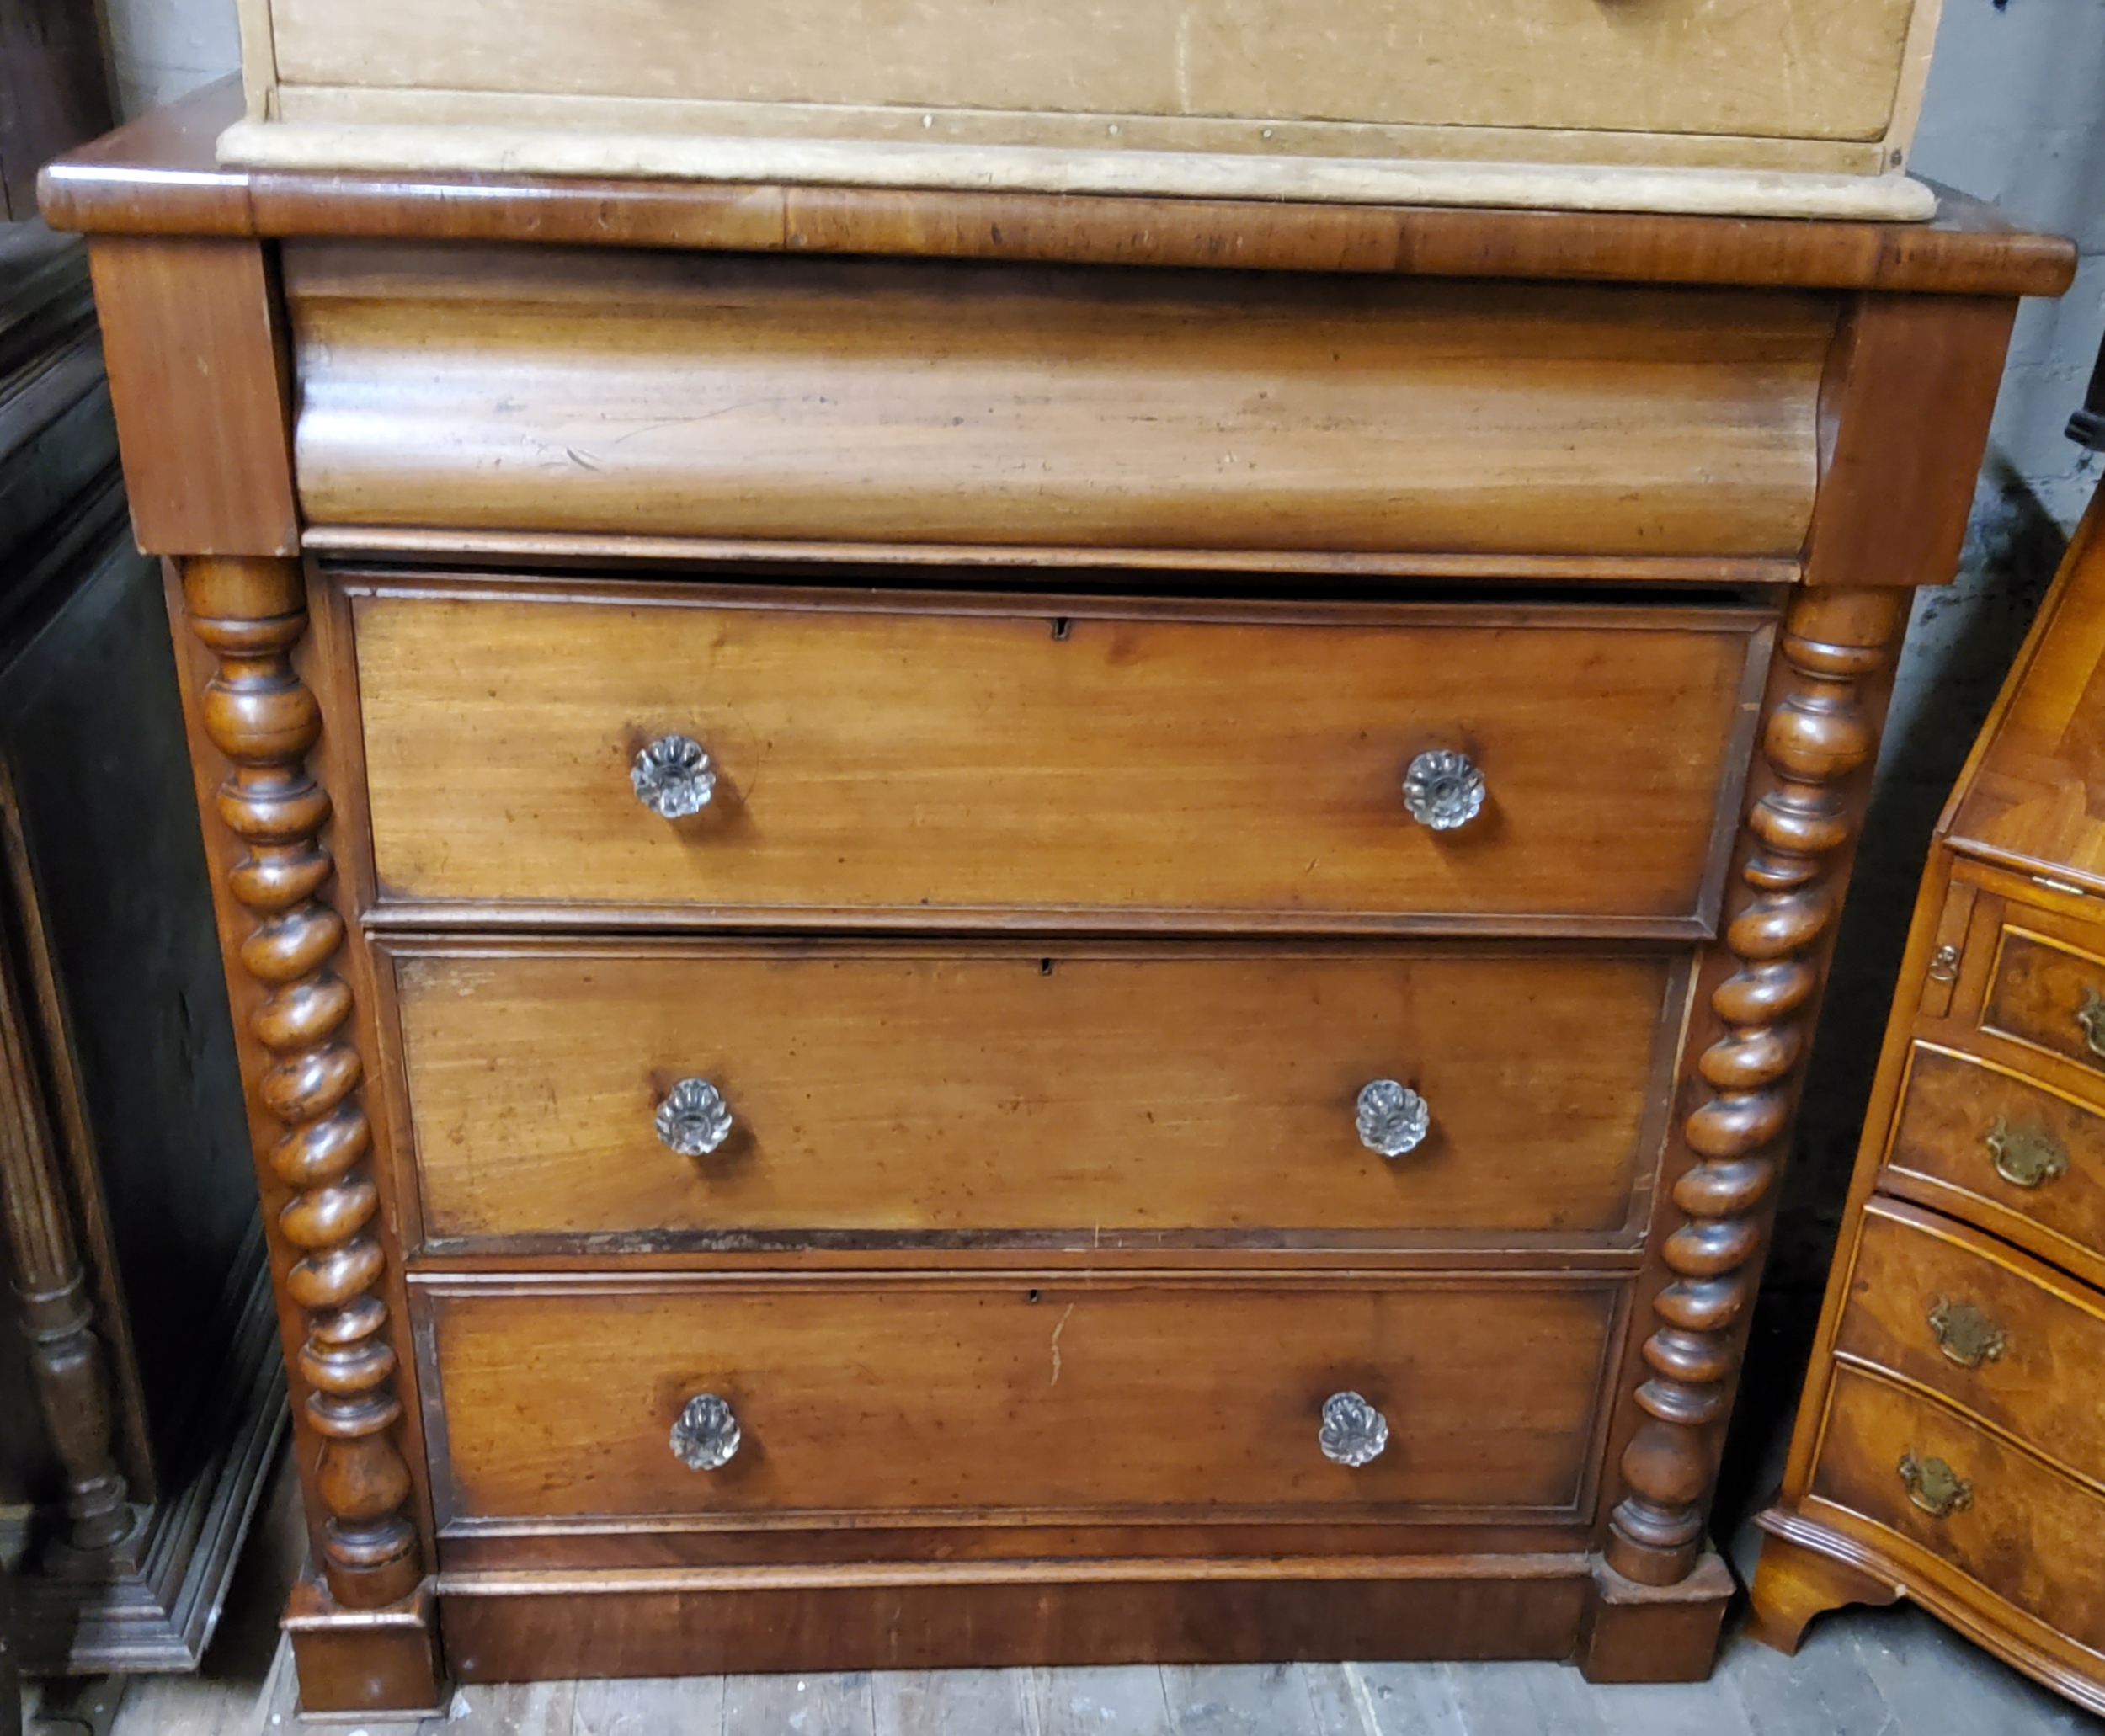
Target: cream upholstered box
[1778, 107]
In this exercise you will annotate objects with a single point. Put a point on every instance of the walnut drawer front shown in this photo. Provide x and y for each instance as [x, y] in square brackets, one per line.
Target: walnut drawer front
[2049, 994]
[902, 1093]
[2001, 1150]
[1177, 1397]
[1924, 1483]
[2010, 1341]
[932, 760]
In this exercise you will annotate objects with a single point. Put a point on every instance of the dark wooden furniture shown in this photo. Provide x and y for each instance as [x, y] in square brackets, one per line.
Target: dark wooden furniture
[1090, 943]
[1951, 1443]
[138, 1399]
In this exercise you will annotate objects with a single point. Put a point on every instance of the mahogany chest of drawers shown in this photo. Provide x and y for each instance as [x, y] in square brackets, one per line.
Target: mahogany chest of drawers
[979, 929]
[1951, 1443]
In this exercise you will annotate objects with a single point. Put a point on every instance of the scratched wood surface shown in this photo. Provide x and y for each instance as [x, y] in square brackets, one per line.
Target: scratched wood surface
[1860, 1673]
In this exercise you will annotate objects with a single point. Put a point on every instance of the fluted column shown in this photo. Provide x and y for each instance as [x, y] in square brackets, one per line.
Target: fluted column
[72, 1374]
[259, 713]
[1818, 731]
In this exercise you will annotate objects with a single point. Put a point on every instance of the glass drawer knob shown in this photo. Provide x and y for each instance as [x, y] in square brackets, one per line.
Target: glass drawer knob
[1391, 1118]
[674, 777]
[706, 1434]
[694, 1119]
[1354, 1433]
[1443, 790]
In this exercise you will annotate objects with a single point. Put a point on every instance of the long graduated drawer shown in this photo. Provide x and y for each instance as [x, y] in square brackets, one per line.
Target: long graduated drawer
[928, 760]
[742, 1094]
[949, 1399]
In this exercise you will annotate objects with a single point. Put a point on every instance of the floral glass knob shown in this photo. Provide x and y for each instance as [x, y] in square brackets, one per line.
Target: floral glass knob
[694, 1119]
[1354, 1433]
[1392, 1119]
[1443, 790]
[706, 1434]
[674, 777]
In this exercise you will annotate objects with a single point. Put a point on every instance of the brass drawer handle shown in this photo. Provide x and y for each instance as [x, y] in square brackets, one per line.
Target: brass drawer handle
[1354, 1433]
[1966, 1335]
[1934, 1487]
[1443, 789]
[2090, 1015]
[674, 777]
[1391, 1118]
[706, 1434]
[694, 1119]
[2025, 1157]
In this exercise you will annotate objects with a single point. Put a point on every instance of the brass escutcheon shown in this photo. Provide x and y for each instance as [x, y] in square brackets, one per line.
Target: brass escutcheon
[1944, 965]
[1935, 1486]
[2090, 1015]
[2025, 1157]
[1966, 1336]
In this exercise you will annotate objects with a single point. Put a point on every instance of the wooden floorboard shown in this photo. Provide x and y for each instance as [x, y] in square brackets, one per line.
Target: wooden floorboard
[1893, 1672]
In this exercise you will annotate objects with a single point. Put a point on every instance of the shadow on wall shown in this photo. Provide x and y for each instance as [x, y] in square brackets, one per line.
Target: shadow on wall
[1962, 642]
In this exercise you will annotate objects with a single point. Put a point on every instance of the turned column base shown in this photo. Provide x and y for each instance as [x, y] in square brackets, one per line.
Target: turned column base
[1795, 1581]
[354, 1662]
[1633, 1633]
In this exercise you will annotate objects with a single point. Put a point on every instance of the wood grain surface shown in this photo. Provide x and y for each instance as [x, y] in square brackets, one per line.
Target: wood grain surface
[2032, 1382]
[192, 335]
[1940, 1154]
[160, 174]
[2028, 1535]
[963, 760]
[916, 1093]
[684, 395]
[2043, 985]
[2027, 799]
[1170, 1398]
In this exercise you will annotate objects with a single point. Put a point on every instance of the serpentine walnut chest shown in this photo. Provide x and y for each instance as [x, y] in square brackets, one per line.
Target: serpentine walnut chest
[984, 928]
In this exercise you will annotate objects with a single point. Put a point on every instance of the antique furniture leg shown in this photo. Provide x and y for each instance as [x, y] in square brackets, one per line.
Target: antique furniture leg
[52, 1292]
[1793, 1583]
[1821, 729]
[320, 1196]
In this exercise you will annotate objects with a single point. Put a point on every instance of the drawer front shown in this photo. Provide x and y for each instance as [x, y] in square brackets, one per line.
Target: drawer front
[1177, 1399]
[914, 1093]
[2014, 1343]
[593, 392]
[1825, 69]
[1980, 1136]
[2013, 1525]
[967, 763]
[2049, 994]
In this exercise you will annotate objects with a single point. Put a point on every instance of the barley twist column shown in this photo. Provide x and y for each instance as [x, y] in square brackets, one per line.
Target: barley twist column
[1818, 731]
[259, 713]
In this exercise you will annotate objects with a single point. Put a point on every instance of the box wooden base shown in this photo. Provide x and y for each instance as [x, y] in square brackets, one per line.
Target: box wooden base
[938, 1615]
[354, 1662]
